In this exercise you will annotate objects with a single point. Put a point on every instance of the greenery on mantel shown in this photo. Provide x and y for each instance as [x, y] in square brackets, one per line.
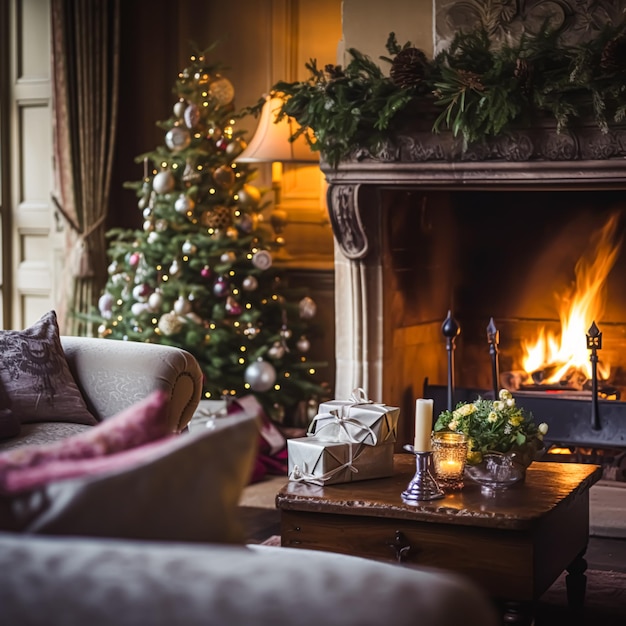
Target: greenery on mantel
[475, 89]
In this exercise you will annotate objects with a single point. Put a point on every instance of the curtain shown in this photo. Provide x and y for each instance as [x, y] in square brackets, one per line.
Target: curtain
[85, 57]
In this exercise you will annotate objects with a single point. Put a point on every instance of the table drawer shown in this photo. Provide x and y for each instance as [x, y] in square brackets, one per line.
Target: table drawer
[499, 560]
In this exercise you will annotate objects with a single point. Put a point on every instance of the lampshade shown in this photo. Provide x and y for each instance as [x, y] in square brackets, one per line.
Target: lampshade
[271, 139]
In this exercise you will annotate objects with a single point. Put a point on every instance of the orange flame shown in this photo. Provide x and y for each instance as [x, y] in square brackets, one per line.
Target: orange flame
[581, 306]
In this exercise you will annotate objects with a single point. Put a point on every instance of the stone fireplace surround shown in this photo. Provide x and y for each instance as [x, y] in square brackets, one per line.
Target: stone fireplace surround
[394, 285]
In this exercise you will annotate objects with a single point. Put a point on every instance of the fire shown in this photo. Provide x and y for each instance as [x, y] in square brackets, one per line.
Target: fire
[558, 356]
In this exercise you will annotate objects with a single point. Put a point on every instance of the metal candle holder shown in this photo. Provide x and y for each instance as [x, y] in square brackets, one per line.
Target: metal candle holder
[423, 486]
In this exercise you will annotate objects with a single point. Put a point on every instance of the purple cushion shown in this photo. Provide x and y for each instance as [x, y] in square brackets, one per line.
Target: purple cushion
[31, 466]
[35, 377]
[9, 424]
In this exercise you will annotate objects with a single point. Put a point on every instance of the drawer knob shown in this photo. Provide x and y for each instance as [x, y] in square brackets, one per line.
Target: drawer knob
[400, 546]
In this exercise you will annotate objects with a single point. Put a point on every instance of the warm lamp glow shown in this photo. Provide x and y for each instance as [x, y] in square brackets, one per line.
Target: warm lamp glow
[271, 139]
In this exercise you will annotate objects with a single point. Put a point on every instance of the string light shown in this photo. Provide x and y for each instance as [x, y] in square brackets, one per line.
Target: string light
[277, 387]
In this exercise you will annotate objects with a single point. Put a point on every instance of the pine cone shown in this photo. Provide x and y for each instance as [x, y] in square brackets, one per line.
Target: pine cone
[409, 68]
[471, 80]
[613, 57]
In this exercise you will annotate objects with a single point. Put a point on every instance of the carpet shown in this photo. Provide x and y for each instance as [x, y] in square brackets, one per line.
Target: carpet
[605, 599]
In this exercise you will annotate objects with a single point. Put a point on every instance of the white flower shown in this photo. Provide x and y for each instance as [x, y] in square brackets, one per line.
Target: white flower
[543, 428]
[510, 402]
[498, 405]
[505, 394]
[453, 424]
[492, 417]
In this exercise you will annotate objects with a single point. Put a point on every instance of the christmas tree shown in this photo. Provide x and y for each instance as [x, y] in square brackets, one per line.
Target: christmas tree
[200, 274]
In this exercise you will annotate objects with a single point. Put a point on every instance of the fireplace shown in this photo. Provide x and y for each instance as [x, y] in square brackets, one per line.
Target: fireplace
[424, 228]
[482, 239]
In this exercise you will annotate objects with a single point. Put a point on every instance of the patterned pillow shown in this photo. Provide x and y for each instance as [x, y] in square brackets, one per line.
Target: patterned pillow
[36, 378]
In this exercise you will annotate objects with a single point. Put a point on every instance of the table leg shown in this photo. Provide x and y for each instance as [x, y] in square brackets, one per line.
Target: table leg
[576, 581]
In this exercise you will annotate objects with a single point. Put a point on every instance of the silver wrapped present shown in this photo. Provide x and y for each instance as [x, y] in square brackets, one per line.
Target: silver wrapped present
[312, 460]
[356, 420]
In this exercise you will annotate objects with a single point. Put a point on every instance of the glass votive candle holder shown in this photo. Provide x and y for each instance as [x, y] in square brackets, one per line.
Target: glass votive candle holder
[449, 456]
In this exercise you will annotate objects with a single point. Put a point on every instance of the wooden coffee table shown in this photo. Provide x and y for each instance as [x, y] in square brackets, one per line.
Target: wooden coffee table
[514, 544]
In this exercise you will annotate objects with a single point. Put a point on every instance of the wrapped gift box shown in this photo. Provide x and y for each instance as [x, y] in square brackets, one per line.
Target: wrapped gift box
[356, 421]
[327, 462]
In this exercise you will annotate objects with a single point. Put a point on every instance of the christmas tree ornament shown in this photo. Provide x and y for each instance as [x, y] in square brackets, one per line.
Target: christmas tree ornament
[103, 331]
[105, 305]
[303, 345]
[285, 332]
[147, 213]
[155, 301]
[182, 306]
[224, 176]
[152, 237]
[161, 225]
[260, 375]
[278, 220]
[142, 203]
[170, 324]
[138, 308]
[247, 222]
[174, 268]
[221, 143]
[222, 91]
[236, 147]
[163, 182]
[192, 116]
[206, 272]
[179, 108]
[232, 306]
[219, 218]
[184, 204]
[221, 287]
[307, 308]
[189, 248]
[113, 267]
[141, 292]
[262, 260]
[228, 257]
[232, 232]
[133, 259]
[177, 139]
[250, 283]
[277, 351]
[249, 197]
[191, 174]
[148, 226]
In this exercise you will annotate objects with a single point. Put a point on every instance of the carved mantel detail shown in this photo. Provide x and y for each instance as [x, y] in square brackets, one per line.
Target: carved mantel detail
[346, 220]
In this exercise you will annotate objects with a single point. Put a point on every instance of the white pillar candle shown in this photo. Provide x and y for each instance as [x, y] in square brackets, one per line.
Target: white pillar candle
[423, 424]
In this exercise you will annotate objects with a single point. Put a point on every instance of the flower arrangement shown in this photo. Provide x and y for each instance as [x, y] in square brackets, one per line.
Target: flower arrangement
[494, 426]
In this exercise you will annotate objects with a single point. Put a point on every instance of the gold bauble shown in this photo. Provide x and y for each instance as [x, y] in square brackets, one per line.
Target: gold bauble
[224, 176]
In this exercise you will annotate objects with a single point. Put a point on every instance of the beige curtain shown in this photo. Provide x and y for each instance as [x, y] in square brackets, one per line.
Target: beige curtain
[85, 54]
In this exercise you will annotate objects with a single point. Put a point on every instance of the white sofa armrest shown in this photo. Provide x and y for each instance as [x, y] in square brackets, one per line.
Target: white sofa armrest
[114, 374]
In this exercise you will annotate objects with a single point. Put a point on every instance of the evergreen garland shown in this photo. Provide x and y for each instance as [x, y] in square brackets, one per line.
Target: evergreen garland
[482, 90]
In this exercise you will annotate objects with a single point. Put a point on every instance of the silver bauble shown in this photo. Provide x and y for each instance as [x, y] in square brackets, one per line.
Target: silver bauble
[179, 108]
[260, 375]
[277, 351]
[182, 306]
[304, 345]
[138, 308]
[189, 248]
[163, 182]
[192, 116]
[262, 260]
[183, 204]
[177, 138]
[250, 283]
[155, 301]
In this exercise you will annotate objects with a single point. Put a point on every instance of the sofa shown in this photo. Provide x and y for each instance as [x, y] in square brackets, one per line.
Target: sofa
[156, 539]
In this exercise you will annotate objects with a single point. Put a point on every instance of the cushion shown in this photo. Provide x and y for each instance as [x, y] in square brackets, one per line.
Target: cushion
[9, 424]
[183, 488]
[36, 378]
[25, 468]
